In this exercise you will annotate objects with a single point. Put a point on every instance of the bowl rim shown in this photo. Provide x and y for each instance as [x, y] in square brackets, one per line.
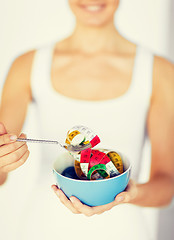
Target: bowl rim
[94, 181]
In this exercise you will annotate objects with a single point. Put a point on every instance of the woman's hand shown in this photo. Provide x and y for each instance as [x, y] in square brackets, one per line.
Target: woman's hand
[75, 206]
[13, 154]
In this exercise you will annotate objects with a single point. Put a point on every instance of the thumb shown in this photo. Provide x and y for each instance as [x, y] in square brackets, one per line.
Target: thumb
[123, 197]
[2, 129]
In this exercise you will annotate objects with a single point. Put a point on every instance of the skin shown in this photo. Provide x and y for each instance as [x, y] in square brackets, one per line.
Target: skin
[96, 44]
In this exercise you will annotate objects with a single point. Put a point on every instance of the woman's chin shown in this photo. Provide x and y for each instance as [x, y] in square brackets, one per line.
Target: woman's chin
[94, 22]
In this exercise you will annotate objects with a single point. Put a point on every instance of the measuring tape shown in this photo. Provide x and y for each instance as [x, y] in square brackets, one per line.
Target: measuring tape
[89, 163]
[100, 168]
[85, 159]
[116, 159]
[90, 158]
[82, 135]
[78, 170]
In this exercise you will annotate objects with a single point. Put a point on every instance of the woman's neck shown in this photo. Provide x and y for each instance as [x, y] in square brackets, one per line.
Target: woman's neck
[91, 40]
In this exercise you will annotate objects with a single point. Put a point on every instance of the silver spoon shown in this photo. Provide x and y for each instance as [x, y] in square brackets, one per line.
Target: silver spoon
[70, 148]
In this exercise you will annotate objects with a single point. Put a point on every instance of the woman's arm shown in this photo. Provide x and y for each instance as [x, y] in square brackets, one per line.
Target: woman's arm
[16, 93]
[160, 124]
[15, 98]
[159, 190]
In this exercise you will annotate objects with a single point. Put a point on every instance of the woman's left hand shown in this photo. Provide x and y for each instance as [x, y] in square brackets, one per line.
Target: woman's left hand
[75, 206]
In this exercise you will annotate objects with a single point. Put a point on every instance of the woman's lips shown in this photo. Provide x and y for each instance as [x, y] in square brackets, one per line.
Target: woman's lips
[93, 8]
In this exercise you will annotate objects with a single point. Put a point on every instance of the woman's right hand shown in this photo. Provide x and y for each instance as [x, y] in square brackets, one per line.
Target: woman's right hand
[13, 154]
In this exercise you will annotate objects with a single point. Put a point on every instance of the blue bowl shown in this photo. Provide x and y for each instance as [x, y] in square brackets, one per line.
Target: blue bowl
[92, 193]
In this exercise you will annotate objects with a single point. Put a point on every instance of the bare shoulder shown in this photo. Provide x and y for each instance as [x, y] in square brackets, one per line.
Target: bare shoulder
[163, 78]
[24, 58]
[161, 118]
[163, 68]
[16, 94]
[22, 65]
[19, 73]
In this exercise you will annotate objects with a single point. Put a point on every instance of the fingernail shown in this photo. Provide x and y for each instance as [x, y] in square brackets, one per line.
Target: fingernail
[120, 199]
[54, 187]
[13, 137]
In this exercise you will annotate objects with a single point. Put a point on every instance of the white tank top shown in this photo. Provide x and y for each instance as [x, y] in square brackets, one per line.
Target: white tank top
[120, 123]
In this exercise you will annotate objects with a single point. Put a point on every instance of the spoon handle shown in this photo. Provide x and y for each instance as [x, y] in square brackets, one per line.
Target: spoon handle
[38, 141]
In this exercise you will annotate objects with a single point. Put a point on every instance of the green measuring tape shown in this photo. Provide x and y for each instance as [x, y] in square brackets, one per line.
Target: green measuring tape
[100, 168]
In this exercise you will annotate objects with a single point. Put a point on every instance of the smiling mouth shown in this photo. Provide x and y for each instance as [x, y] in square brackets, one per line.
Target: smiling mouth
[93, 8]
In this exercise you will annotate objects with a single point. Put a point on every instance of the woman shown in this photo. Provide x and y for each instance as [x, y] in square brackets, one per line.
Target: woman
[99, 79]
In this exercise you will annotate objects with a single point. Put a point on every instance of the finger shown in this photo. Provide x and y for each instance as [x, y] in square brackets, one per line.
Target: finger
[13, 166]
[13, 156]
[64, 199]
[11, 147]
[128, 194]
[132, 183]
[132, 189]
[7, 138]
[86, 210]
[103, 208]
[123, 197]
[2, 129]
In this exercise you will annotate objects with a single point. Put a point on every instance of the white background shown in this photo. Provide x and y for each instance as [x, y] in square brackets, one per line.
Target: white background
[26, 24]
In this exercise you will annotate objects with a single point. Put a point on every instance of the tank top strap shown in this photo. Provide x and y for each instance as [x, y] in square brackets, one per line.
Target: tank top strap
[143, 73]
[40, 73]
